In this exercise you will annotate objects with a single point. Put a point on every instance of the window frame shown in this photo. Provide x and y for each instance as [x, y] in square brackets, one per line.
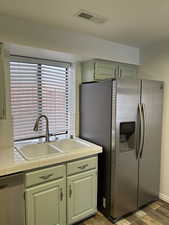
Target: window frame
[40, 61]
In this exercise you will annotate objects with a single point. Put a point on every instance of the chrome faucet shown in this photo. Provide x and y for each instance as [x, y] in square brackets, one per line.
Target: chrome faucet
[36, 126]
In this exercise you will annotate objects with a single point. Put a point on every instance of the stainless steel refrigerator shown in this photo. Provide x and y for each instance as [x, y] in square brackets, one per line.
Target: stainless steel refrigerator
[125, 117]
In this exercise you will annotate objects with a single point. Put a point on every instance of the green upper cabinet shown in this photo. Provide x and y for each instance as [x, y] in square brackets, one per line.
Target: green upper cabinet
[99, 70]
[104, 70]
[127, 71]
[81, 196]
[46, 203]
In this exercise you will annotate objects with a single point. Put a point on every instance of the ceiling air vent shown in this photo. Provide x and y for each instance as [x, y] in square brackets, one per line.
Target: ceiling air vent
[90, 16]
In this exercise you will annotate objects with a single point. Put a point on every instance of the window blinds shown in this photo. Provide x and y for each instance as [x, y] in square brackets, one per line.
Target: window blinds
[38, 88]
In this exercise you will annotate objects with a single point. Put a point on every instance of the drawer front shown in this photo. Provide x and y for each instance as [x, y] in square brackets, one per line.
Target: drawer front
[81, 165]
[44, 175]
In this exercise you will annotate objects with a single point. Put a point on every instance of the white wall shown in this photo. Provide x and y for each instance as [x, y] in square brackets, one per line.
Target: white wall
[5, 124]
[155, 65]
[41, 36]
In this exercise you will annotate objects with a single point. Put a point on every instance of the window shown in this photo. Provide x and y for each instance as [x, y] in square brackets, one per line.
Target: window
[39, 87]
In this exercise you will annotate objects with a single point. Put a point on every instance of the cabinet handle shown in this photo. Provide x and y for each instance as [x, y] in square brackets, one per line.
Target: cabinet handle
[61, 194]
[83, 167]
[45, 177]
[70, 191]
[120, 73]
[115, 73]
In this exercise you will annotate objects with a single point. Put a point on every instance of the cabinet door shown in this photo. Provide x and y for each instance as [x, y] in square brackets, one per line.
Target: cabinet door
[81, 196]
[46, 204]
[127, 71]
[105, 70]
[87, 71]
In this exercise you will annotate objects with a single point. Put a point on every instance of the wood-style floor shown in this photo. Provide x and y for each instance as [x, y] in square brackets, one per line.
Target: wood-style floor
[156, 213]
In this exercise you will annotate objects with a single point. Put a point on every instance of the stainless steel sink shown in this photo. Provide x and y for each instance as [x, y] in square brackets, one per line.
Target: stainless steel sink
[36, 151]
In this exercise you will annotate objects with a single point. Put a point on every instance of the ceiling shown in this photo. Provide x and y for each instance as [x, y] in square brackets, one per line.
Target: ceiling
[132, 22]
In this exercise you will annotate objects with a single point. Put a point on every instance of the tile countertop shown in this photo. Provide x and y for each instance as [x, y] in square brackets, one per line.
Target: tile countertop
[12, 162]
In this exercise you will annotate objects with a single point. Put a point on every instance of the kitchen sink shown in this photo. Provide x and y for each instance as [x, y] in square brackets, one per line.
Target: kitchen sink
[68, 145]
[63, 146]
[36, 151]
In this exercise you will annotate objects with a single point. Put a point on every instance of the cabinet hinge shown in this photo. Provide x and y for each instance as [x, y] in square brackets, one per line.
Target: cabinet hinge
[161, 87]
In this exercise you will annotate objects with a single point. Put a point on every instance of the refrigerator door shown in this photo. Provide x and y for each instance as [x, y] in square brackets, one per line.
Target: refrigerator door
[96, 126]
[149, 163]
[124, 180]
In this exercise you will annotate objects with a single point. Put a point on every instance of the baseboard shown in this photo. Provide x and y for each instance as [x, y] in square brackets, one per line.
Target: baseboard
[164, 197]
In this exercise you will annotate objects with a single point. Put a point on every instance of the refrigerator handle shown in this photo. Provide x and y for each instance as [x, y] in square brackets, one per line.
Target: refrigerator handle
[140, 131]
[143, 128]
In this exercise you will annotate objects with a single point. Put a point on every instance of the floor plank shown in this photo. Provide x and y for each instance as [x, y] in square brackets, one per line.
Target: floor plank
[156, 213]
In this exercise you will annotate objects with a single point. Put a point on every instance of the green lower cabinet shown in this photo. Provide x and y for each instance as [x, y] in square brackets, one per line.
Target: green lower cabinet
[81, 196]
[46, 203]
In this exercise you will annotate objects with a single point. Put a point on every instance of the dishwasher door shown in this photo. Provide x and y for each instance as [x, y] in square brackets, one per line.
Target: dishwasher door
[12, 200]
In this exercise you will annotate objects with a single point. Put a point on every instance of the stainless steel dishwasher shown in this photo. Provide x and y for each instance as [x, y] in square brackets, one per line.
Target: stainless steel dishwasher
[12, 200]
